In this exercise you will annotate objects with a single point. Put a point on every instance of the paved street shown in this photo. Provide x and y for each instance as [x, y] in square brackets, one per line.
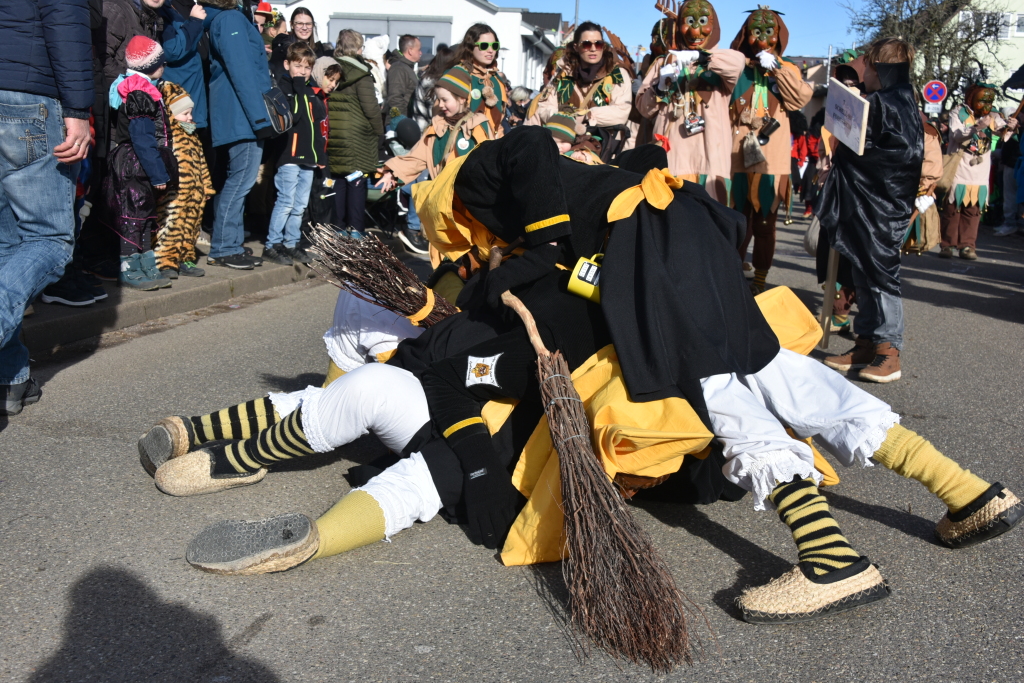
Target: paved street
[94, 585]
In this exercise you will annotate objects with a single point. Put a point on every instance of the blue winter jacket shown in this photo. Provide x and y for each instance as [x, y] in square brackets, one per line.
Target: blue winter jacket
[47, 50]
[239, 75]
[180, 39]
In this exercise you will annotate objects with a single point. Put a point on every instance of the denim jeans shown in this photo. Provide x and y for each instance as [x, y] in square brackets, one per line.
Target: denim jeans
[37, 222]
[412, 219]
[229, 204]
[879, 314]
[293, 184]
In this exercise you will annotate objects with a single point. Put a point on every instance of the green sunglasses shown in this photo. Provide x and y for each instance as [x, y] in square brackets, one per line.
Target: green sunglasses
[489, 46]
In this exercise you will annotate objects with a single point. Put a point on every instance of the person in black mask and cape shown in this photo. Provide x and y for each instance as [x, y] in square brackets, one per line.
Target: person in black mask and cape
[866, 204]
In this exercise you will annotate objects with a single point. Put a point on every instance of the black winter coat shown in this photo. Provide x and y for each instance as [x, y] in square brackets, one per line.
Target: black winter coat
[46, 50]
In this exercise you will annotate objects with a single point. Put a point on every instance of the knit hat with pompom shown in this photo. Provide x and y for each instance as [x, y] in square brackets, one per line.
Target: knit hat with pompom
[144, 55]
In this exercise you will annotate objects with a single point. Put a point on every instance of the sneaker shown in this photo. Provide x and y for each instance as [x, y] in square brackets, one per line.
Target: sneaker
[799, 595]
[857, 357]
[13, 397]
[414, 241]
[840, 324]
[1004, 230]
[29, 311]
[107, 270]
[256, 260]
[885, 367]
[991, 514]
[277, 253]
[946, 252]
[808, 212]
[91, 284]
[190, 269]
[147, 261]
[969, 254]
[68, 292]
[169, 273]
[203, 240]
[239, 547]
[748, 270]
[355, 234]
[299, 255]
[134, 277]
[236, 261]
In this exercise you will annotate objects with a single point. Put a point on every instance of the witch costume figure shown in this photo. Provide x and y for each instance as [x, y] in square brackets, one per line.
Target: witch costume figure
[686, 95]
[761, 151]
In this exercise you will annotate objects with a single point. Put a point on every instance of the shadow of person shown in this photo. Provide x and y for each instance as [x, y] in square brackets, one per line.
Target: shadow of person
[910, 524]
[118, 629]
[288, 383]
[757, 565]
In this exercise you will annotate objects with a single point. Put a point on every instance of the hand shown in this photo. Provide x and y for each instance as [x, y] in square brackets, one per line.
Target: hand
[1012, 124]
[75, 147]
[667, 76]
[767, 60]
[198, 12]
[923, 203]
[160, 187]
[490, 504]
[685, 56]
[387, 182]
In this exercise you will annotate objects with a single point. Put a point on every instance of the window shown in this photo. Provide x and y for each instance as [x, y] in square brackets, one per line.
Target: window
[1020, 25]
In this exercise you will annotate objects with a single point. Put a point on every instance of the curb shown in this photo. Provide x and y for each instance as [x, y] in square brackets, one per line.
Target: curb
[53, 326]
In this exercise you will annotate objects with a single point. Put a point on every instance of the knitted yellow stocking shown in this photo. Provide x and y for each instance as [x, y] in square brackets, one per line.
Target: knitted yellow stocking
[354, 521]
[910, 455]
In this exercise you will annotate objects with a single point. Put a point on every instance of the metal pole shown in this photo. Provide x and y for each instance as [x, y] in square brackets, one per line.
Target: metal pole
[576, 17]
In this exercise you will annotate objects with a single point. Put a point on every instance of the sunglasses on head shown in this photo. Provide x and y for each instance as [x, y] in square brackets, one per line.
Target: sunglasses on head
[489, 46]
[588, 44]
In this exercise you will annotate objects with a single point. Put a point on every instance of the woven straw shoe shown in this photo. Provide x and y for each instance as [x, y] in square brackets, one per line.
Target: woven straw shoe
[239, 548]
[192, 475]
[169, 438]
[991, 514]
[794, 597]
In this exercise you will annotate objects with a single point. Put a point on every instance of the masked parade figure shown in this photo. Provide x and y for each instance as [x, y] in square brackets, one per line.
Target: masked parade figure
[761, 146]
[686, 95]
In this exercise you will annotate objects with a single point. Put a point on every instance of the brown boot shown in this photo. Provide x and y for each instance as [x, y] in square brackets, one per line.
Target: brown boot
[857, 357]
[885, 367]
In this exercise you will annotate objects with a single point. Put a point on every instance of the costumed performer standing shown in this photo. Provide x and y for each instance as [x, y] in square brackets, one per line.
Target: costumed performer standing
[686, 93]
[768, 87]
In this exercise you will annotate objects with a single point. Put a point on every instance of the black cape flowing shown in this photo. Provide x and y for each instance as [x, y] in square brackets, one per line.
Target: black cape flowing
[866, 202]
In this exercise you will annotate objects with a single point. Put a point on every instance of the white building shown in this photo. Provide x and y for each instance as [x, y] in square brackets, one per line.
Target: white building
[527, 38]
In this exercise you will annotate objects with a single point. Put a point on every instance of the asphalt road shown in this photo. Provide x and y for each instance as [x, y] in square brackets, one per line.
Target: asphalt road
[94, 587]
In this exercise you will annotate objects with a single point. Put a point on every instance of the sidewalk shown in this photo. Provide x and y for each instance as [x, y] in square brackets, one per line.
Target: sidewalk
[55, 325]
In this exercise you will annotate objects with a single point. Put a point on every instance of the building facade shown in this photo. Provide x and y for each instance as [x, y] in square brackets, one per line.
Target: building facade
[527, 38]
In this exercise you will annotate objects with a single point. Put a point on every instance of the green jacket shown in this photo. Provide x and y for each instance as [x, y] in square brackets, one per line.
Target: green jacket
[356, 121]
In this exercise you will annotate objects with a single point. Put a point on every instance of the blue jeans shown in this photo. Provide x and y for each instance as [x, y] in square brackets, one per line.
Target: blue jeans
[37, 222]
[412, 219]
[879, 314]
[229, 204]
[293, 184]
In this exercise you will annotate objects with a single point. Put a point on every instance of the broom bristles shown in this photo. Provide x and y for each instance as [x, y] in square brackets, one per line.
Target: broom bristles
[368, 270]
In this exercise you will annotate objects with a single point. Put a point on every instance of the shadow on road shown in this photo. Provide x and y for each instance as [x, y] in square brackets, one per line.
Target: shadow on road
[118, 629]
[287, 383]
[910, 524]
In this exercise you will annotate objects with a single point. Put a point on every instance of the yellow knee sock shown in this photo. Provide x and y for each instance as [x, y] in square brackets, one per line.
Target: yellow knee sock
[759, 278]
[908, 454]
[820, 543]
[333, 373]
[354, 521]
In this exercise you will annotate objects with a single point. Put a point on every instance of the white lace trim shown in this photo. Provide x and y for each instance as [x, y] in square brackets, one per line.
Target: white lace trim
[311, 421]
[765, 471]
[875, 437]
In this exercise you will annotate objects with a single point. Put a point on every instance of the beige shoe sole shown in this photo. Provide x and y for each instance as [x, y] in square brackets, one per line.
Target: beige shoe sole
[242, 548]
[192, 475]
[793, 597]
[169, 438]
[880, 379]
[840, 367]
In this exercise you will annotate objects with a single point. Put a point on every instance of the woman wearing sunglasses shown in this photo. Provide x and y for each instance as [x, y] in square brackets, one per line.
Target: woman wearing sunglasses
[478, 57]
[588, 84]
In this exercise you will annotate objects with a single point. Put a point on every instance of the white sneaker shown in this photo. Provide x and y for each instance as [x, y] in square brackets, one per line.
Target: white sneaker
[1005, 230]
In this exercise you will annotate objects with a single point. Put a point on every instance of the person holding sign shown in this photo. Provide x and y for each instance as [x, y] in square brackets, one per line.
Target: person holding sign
[974, 130]
[866, 204]
[767, 89]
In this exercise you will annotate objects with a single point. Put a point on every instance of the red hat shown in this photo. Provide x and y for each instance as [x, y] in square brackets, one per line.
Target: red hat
[144, 55]
[265, 9]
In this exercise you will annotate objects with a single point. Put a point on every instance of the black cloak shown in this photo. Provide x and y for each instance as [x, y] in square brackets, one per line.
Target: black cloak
[866, 202]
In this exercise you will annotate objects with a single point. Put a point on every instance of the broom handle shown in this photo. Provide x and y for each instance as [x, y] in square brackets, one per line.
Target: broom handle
[513, 302]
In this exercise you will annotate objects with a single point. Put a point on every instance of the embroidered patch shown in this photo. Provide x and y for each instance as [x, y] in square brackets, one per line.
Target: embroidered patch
[482, 370]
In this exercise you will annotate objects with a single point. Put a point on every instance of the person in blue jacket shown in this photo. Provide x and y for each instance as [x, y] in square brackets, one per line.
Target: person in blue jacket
[46, 92]
[180, 39]
[239, 123]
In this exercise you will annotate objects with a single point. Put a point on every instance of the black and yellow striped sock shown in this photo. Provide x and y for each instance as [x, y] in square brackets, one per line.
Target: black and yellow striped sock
[821, 545]
[282, 441]
[758, 282]
[237, 422]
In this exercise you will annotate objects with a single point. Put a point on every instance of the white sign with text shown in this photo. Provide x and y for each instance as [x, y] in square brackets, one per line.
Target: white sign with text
[846, 115]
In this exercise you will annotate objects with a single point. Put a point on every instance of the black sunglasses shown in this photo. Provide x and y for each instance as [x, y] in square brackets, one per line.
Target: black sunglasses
[489, 46]
[587, 44]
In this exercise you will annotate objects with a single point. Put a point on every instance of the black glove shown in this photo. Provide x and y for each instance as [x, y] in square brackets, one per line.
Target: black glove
[520, 270]
[491, 499]
[265, 133]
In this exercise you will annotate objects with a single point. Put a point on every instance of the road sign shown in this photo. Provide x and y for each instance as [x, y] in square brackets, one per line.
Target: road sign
[934, 91]
[932, 107]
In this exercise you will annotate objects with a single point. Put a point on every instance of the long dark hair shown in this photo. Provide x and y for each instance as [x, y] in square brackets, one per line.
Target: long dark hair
[439, 64]
[464, 53]
[302, 11]
[571, 59]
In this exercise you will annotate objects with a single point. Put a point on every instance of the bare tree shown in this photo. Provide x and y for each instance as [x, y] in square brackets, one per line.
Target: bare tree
[956, 40]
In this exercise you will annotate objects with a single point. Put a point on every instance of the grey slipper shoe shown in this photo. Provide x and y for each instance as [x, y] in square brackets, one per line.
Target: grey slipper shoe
[169, 438]
[239, 547]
